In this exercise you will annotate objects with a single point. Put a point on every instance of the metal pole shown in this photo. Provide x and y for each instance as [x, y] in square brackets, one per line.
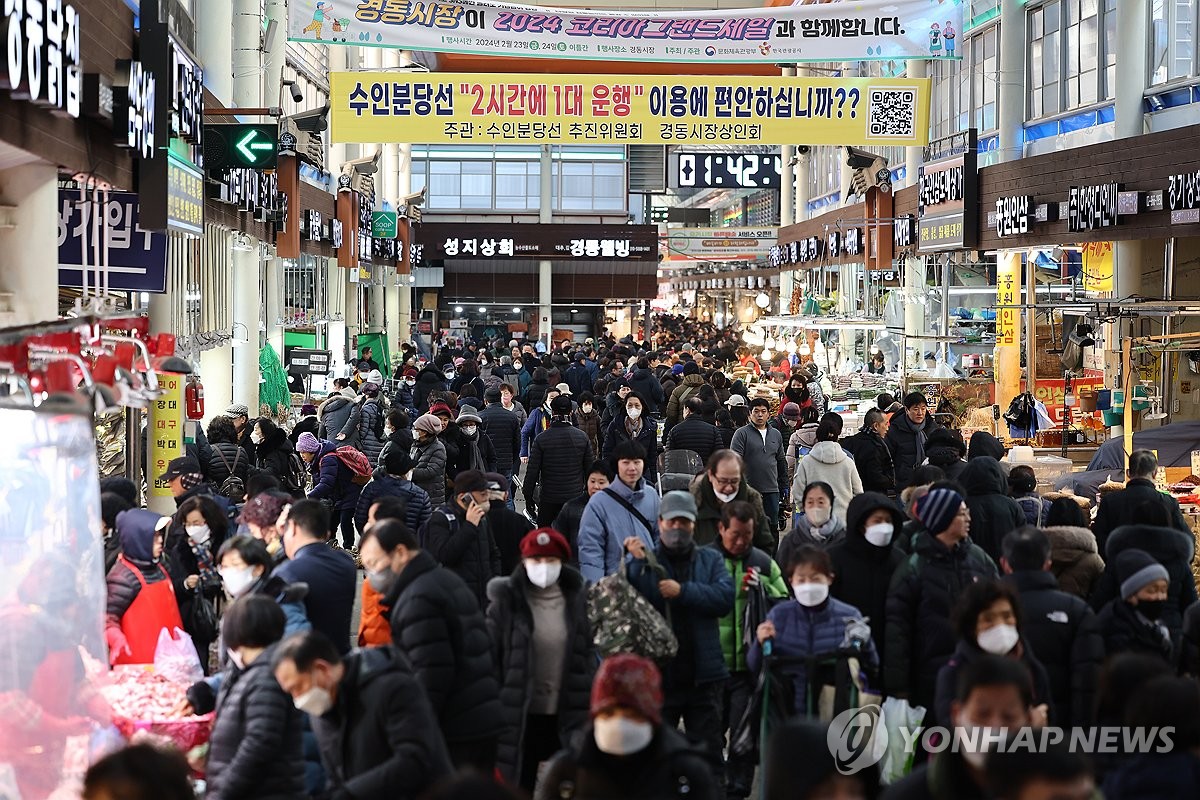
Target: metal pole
[1031, 327]
[1166, 385]
[787, 186]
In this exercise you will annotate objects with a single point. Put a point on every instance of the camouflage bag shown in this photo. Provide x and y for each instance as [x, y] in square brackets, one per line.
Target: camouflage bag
[625, 622]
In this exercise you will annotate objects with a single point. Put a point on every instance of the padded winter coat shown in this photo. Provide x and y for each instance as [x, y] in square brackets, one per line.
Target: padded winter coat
[923, 593]
[467, 550]
[647, 437]
[965, 654]
[993, 513]
[567, 523]
[697, 435]
[137, 540]
[1121, 508]
[503, 428]
[333, 480]
[430, 470]
[417, 507]
[510, 623]
[1074, 559]
[237, 462]
[255, 748]
[559, 460]
[1126, 631]
[339, 414]
[437, 625]
[369, 419]
[708, 516]
[274, 457]
[679, 397]
[607, 523]
[828, 462]
[649, 389]
[873, 459]
[429, 379]
[902, 439]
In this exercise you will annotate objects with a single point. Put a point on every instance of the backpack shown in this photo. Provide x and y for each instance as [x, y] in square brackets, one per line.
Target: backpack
[447, 512]
[377, 428]
[232, 487]
[623, 621]
[297, 473]
[355, 461]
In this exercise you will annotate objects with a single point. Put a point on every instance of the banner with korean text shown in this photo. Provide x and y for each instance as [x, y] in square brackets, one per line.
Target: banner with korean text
[441, 108]
[863, 30]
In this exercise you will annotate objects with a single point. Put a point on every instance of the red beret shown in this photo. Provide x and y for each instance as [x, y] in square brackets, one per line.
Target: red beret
[545, 543]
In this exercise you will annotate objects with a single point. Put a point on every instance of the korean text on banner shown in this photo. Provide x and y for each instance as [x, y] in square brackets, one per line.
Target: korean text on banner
[455, 108]
[166, 431]
[1008, 268]
[719, 244]
[864, 30]
[137, 258]
[1098, 266]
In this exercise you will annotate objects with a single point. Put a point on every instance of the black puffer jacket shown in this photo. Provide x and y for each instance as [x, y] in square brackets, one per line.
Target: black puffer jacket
[923, 592]
[228, 458]
[993, 513]
[874, 462]
[510, 622]
[371, 419]
[1126, 631]
[437, 625]
[1169, 547]
[984, 444]
[567, 523]
[430, 470]
[401, 440]
[967, 653]
[1121, 508]
[429, 379]
[649, 389]
[647, 437]
[503, 428]
[945, 450]
[1065, 636]
[861, 570]
[906, 443]
[255, 746]
[508, 529]
[274, 457]
[467, 550]
[378, 741]
[559, 459]
[696, 435]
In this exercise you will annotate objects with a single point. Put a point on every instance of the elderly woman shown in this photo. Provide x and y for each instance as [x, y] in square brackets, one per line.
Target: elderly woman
[429, 453]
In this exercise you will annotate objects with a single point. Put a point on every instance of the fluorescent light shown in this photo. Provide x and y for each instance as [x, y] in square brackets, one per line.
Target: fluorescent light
[516, 310]
[483, 309]
[458, 309]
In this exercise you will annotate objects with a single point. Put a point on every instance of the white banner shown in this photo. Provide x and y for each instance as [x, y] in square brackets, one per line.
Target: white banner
[863, 30]
[719, 244]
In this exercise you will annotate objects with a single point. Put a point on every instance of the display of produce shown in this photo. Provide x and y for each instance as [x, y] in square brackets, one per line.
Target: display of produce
[143, 700]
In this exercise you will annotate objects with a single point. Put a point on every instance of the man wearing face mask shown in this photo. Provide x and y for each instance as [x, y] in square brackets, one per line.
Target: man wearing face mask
[502, 428]
[993, 701]
[865, 560]
[544, 654]
[558, 462]
[628, 752]
[329, 573]
[694, 591]
[1132, 622]
[370, 716]
[437, 625]
[723, 482]
[459, 538]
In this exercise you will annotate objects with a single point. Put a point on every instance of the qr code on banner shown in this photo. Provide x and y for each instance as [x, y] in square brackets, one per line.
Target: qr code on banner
[892, 112]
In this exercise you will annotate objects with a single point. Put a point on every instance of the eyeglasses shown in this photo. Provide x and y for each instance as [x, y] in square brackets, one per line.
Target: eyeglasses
[730, 482]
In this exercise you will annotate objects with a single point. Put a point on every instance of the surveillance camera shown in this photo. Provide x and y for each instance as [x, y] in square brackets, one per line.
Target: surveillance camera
[861, 159]
[314, 121]
[297, 94]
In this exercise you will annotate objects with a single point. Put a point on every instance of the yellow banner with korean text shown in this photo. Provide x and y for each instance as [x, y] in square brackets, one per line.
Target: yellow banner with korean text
[1008, 293]
[452, 108]
[166, 431]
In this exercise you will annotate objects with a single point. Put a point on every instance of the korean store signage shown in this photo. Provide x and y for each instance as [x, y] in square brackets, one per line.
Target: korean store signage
[41, 54]
[719, 244]
[435, 108]
[948, 201]
[1008, 291]
[312, 227]
[726, 170]
[166, 431]
[383, 224]
[137, 258]
[250, 190]
[133, 108]
[336, 233]
[1092, 207]
[185, 197]
[1183, 198]
[302, 361]
[1014, 215]
[495, 241]
[852, 242]
[863, 30]
[904, 231]
[799, 252]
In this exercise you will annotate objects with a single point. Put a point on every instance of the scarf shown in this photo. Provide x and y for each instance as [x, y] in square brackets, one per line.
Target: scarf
[633, 427]
[208, 571]
[919, 436]
[823, 531]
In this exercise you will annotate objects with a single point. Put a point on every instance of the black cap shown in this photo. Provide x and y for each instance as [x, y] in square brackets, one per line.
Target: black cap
[561, 405]
[470, 480]
[184, 465]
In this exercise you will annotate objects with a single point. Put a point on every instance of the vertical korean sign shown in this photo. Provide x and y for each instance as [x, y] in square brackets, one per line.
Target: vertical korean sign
[166, 431]
[1007, 359]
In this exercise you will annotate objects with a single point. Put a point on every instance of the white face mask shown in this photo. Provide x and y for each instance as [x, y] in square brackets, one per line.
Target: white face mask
[811, 594]
[586, 408]
[256, 437]
[236, 657]
[388, 430]
[236, 579]
[449, 376]
[409, 382]
[618, 736]
[315, 702]
[470, 430]
[517, 365]
[725, 498]
[197, 533]
[998, 640]
[974, 741]
[634, 412]
[880, 534]
[543, 573]
[817, 515]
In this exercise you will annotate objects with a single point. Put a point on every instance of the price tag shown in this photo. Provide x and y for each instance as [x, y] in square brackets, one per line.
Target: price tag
[1160, 479]
[1196, 462]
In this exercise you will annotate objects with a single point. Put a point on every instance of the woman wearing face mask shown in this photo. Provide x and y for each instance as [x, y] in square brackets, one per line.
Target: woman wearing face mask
[396, 433]
[543, 652]
[255, 748]
[260, 516]
[587, 419]
[197, 531]
[274, 455]
[403, 396]
[245, 568]
[815, 522]
[628, 753]
[988, 621]
[864, 560]
[814, 624]
[429, 453]
[633, 425]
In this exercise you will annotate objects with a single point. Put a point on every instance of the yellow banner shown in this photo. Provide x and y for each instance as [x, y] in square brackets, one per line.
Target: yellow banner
[1098, 266]
[449, 108]
[1008, 293]
[166, 431]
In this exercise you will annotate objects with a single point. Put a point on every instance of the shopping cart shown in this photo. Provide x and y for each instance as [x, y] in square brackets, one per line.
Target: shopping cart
[677, 468]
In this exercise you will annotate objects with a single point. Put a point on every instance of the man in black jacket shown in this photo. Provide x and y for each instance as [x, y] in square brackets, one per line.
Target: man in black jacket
[567, 522]
[872, 456]
[503, 428]
[558, 459]
[370, 716]
[508, 527]
[907, 434]
[693, 433]
[1121, 507]
[1060, 628]
[329, 573]
[459, 537]
[437, 625]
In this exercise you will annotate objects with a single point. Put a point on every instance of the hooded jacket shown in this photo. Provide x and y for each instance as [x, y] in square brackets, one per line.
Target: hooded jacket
[1169, 547]
[339, 415]
[430, 470]
[1074, 559]
[708, 516]
[907, 444]
[828, 462]
[437, 625]
[1121, 508]
[1065, 636]
[255, 748]
[923, 592]
[984, 444]
[686, 388]
[993, 513]
[944, 449]
[861, 570]
[467, 550]
[402, 439]
[376, 741]
[429, 379]
[274, 457]
[510, 623]
[332, 479]
[648, 388]
[800, 444]
[136, 531]
[606, 523]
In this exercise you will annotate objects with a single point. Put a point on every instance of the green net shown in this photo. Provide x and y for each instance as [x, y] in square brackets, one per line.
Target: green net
[273, 393]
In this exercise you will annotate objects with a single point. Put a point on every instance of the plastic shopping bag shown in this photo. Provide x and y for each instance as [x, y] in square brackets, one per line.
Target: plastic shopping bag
[175, 657]
[897, 714]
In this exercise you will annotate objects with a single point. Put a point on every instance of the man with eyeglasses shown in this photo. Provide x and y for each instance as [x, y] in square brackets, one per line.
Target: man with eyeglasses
[724, 482]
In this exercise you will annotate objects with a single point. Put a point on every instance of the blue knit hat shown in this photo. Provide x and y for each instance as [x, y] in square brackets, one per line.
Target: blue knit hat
[938, 508]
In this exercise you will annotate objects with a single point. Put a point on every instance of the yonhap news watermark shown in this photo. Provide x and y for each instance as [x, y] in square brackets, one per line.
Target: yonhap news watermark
[859, 738]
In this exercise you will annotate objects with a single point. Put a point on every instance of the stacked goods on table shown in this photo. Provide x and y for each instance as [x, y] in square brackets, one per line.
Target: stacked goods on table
[143, 700]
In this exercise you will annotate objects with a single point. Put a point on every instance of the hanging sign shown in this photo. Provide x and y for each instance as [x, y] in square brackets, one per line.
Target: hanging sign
[865, 30]
[1008, 268]
[904, 231]
[1183, 198]
[719, 244]
[166, 431]
[133, 108]
[1098, 266]
[137, 259]
[41, 61]
[383, 224]
[436, 108]
[948, 200]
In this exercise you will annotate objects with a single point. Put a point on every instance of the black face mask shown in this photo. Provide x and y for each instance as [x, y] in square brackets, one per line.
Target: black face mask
[1151, 609]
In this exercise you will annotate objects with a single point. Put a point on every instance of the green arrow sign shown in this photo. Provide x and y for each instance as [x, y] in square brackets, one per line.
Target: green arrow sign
[254, 145]
[383, 224]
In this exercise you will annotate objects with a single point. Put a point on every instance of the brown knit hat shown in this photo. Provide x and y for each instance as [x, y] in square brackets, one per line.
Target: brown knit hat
[628, 681]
